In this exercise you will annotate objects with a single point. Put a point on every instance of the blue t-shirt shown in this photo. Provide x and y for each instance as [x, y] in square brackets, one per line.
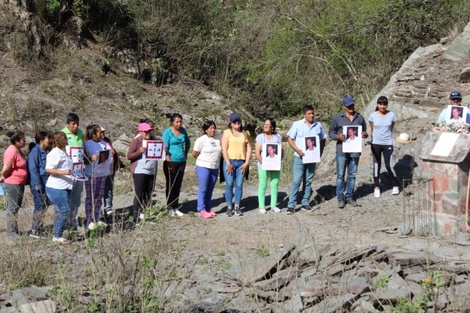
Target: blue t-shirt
[176, 146]
[382, 133]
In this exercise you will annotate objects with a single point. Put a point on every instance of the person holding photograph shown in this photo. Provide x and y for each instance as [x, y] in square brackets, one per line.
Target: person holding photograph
[97, 172]
[236, 151]
[75, 138]
[306, 127]
[177, 144]
[381, 124]
[207, 149]
[14, 176]
[59, 185]
[38, 178]
[143, 171]
[455, 99]
[349, 161]
[269, 137]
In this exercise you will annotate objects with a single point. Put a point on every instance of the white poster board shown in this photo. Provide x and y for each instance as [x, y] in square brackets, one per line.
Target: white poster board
[353, 139]
[155, 150]
[78, 165]
[444, 144]
[311, 149]
[456, 114]
[77, 171]
[271, 156]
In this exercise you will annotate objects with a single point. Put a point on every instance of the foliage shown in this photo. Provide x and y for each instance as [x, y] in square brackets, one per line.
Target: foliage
[269, 56]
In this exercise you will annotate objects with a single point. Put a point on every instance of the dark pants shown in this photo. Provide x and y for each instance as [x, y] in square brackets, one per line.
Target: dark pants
[15, 195]
[108, 193]
[41, 202]
[174, 173]
[387, 151]
[143, 188]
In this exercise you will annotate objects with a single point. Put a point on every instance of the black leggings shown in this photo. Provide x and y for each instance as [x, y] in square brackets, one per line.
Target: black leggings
[143, 188]
[174, 173]
[387, 151]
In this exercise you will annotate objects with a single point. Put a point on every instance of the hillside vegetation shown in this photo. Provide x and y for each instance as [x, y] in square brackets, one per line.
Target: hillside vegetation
[267, 56]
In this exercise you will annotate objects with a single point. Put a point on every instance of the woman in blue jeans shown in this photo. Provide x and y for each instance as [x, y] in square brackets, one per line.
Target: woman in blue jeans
[236, 150]
[59, 184]
[207, 152]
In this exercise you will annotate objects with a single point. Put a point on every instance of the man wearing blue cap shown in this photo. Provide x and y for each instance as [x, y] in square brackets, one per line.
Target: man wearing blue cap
[455, 99]
[346, 160]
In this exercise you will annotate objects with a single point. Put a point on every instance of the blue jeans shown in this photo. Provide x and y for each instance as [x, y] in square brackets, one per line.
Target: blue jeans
[40, 204]
[61, 200]
[236, 178]
[206, 179]
[303, 173]
[343, 161]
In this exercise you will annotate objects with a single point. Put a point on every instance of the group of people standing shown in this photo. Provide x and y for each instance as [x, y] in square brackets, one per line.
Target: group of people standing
[52, 178]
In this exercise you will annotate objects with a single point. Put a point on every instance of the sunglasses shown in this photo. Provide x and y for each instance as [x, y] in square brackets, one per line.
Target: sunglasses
[237, 122]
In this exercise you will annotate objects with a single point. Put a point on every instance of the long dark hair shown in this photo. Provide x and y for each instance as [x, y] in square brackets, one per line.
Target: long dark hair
[381, 100]
[91, 130]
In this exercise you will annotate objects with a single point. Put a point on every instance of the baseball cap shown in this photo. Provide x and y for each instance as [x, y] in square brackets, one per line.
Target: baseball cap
[143, 127]
[235, 117]
[455, 95]
[102, 128]
[347, 101]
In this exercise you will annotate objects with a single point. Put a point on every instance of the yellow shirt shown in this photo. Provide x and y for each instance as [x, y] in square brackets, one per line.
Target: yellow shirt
[236, 145]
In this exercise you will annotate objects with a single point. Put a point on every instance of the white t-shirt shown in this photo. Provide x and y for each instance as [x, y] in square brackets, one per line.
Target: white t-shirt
[209, 151]
[97, 169]
[59, 160]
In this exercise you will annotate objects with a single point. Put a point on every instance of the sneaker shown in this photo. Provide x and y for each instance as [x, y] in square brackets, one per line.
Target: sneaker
[307, 208]
[178, 212]
[238, 212]
[205, 214]
[60, 240]
[262, 211]
[290, 211]
[91, 226]
[141, 216]
[212, 213]
[377, 192]
[102, 224]
[352, 203]
[36, 234]
[396, 190]
[109, 212]
[276, 209]
[341, 204]
[229, 212]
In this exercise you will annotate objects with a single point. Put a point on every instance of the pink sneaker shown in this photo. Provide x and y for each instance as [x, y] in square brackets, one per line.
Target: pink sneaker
[212, 213]
[205, 214]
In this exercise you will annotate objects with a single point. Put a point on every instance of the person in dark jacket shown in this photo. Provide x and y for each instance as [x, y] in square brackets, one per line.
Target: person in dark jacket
[38, 178]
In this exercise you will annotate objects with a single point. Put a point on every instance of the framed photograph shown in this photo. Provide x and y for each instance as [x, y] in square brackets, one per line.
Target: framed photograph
[77, 171]
[311, 149]
[457, 114]
[353, 141]
[155, 150]
[271, 155]
[103, 156]
[75, 153]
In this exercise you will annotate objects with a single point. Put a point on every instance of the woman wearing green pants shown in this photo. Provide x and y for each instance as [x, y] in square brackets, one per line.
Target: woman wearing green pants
[269, 136]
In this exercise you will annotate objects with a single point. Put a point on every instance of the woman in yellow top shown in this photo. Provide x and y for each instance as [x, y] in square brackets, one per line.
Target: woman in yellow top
[236, 150]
